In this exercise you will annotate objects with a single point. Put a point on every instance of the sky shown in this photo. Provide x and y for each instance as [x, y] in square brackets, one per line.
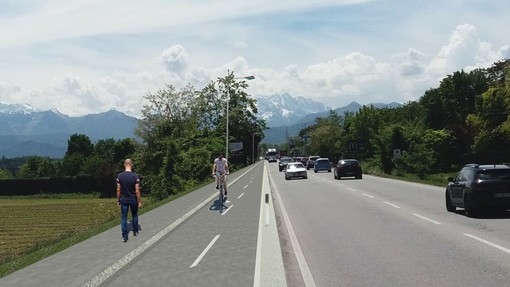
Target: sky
[89, 56]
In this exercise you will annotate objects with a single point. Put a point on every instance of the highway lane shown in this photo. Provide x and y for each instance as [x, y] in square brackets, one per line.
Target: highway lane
[380, 232]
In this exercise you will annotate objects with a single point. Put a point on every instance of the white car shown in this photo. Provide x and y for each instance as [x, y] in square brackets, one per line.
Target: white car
[295, 169]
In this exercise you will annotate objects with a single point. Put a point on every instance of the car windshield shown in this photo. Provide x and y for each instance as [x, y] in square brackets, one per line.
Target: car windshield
[495, 174]
[295, 166]
[323, 161]
[350, 163]
[286, 159]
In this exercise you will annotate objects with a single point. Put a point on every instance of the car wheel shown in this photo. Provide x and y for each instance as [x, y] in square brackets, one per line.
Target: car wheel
[305, 177]
[469, 210]
[315, 171]
[286, 177]
[360, 176]
[449, 206]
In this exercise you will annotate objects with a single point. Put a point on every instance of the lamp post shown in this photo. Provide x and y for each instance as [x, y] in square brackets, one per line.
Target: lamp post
[251, 77]
[253, 147]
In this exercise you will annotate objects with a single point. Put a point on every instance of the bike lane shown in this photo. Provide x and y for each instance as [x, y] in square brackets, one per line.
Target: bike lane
[209, 249]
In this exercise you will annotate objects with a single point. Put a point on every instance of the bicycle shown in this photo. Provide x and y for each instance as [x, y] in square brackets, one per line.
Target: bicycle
[221, 189]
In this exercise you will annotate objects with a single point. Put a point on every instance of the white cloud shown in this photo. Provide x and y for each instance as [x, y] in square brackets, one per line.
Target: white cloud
[175, 59]
[91, 56]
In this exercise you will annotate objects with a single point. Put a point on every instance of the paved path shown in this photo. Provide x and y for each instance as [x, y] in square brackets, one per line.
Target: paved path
[186, 242]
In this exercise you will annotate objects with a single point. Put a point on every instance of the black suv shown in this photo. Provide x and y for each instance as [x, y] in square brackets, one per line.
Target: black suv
[348, 167]
[478, 187]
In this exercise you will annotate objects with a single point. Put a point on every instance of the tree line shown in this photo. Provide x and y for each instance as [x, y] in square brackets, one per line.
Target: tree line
[181, 132]
[465, 119]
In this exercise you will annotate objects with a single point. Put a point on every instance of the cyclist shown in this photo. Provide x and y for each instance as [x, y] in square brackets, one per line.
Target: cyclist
[220, 167]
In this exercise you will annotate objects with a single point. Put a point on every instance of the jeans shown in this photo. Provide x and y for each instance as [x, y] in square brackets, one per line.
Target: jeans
[125, 204]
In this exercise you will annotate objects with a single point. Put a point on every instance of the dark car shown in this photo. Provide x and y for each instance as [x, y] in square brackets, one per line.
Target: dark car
[303, 160]
[479, 187]
[283, 162]
[311, 161]
[322, 164]
[348, 168]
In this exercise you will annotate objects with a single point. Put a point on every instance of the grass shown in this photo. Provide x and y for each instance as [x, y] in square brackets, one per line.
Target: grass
[438, 179]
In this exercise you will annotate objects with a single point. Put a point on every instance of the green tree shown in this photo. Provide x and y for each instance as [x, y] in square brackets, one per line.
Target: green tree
[5, 174]
[491, 123]
[37, 167]
[79, 143]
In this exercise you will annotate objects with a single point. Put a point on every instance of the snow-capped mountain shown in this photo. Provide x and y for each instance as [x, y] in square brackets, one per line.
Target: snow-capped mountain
[283, 109]
[27, 131]
[17, 109]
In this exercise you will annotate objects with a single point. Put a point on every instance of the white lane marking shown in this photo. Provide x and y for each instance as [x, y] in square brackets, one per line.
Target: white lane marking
[258, 255]
[351, 189]
[115, 267]
[303, 265]
[368, 195]
[506, 250]
[240, 195]
[245, 186]
[425, 218]
[250, 181]
[391, 204]
[330, 181]
[199, 258]
[226, 210]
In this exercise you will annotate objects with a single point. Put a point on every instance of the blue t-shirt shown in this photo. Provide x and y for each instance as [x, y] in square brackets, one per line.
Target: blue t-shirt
[128, 180]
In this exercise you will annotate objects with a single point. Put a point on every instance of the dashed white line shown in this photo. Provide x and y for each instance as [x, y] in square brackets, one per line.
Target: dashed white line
[226, 210]
[391, 204]
[199, 258]
[245, 186]
[425, 218]
[368, 195]
[240, 195]
[351, 189]
[506, 250]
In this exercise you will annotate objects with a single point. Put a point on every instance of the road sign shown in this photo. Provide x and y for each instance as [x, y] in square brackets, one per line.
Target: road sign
[237, 146]
[397, 153]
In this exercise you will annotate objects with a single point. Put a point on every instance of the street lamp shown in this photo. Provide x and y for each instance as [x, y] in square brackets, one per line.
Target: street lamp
[251, 77]
[253, 147]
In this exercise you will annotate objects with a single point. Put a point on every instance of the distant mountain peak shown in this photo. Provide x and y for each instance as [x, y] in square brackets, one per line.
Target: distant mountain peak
[17, 109]
[284, 109]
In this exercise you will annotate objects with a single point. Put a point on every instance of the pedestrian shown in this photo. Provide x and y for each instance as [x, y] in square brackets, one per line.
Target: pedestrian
[128, 197]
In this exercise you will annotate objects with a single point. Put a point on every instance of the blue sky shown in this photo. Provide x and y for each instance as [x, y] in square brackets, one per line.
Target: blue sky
[90, 56]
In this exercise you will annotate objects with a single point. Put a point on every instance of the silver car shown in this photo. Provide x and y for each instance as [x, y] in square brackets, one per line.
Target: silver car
[295, 169]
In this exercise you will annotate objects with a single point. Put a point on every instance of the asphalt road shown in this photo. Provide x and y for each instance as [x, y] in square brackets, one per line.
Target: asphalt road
[381, 232]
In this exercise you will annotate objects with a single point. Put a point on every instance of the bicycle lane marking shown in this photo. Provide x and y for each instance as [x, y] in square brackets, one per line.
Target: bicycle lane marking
[204, 252]
[99, 279]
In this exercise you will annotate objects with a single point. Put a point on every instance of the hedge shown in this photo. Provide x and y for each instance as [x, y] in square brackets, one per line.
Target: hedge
[78, 184]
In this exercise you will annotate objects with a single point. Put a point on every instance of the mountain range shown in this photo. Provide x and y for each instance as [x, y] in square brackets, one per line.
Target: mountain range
[25, 130]
[28, 131]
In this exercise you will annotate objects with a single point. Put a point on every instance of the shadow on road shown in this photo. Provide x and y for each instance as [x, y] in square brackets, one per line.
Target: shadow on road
[491, 214]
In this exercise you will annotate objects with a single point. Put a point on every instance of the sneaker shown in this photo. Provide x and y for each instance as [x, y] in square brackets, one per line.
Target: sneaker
[225, 192]
[135, 233]
[224, 199]
[217, 187]
[124, 239]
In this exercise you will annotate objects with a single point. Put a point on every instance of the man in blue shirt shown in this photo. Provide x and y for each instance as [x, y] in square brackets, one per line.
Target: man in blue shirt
[128, 196]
